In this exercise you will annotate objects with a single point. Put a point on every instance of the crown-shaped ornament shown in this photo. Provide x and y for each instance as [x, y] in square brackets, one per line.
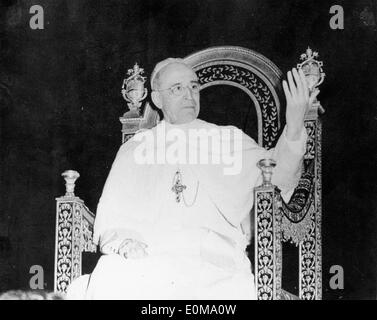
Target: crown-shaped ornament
[312, 68]
[133, 89]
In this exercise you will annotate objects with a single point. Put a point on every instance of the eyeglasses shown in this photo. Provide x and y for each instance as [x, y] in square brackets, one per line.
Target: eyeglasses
[179, 89]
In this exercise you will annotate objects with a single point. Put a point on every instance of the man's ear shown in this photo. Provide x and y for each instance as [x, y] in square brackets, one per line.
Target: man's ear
[156, 98]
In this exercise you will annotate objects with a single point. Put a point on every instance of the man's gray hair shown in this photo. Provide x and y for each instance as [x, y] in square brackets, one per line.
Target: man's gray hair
[155, 76]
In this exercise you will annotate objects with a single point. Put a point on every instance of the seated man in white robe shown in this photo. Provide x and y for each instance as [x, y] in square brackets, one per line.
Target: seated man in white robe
[170, 221]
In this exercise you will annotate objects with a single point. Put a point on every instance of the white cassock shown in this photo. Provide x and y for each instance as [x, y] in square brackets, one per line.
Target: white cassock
[196, 247]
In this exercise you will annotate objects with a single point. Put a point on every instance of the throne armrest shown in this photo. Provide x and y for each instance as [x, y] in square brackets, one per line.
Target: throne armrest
[74, 234]
[268, 236]
[276, 221]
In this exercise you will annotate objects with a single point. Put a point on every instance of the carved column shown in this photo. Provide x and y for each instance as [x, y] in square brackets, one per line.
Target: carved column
[268, 250]
[310, 248]
[74, 234]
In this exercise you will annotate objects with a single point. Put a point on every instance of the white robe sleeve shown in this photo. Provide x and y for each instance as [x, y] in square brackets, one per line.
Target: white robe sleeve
[125, 207]
[288, 156]
[233, 194]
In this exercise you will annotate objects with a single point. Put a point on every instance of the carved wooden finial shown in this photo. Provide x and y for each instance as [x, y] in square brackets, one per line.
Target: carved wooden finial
[70, 177]
[267, 166]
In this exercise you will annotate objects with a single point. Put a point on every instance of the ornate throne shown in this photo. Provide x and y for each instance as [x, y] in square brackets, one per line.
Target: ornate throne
[275, 221]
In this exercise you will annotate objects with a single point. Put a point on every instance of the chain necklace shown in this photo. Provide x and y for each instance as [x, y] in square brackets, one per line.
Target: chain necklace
[178, 189]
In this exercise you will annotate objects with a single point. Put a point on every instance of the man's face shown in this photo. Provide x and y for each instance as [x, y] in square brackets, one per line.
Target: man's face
[182, 107]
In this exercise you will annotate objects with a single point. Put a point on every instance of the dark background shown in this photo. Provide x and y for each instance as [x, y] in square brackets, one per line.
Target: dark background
[60, 103]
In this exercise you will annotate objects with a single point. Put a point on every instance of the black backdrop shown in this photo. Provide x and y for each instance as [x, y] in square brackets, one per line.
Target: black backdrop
[60, 103]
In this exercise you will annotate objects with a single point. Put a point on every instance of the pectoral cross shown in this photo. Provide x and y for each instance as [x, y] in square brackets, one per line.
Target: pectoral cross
[178, 187]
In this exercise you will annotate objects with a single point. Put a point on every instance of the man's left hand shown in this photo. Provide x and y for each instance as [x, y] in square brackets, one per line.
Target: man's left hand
[298, 101]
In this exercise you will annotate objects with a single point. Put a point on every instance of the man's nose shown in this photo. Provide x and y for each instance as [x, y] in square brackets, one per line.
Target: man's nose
[189, 94]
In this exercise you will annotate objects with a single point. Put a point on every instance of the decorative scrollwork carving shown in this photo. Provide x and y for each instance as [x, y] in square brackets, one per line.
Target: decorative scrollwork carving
[268, 242]
[74, 235]
[308, 275]
[265, 245]
[64, 246]
[76, 250]
[318, 215]
[311, 128]
[278, 258]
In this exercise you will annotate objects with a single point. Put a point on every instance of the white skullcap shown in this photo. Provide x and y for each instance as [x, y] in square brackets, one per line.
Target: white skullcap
[161, 65]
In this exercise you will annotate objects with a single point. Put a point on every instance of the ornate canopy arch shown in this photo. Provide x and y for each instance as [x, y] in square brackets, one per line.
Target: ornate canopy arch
[249, 71]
